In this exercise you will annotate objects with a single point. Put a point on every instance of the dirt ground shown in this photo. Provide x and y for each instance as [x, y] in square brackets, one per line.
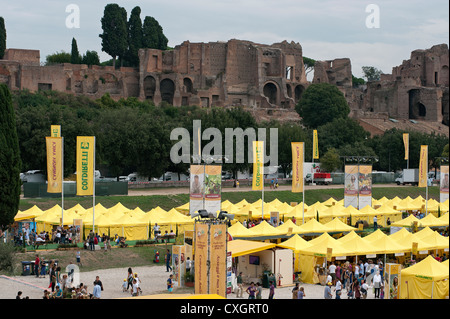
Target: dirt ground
[153, 281]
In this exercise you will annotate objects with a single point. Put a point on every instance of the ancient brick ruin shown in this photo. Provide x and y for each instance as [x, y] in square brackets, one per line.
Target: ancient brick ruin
[267, 79]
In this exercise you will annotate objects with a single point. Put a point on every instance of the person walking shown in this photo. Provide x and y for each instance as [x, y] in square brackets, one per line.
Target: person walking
[168, 255]
[240, 289]
[170, 284]
[301, 293]
[130, 278]
[327, 292]
[338, 289]
[271, 290]
[37, 263]
[251, 290]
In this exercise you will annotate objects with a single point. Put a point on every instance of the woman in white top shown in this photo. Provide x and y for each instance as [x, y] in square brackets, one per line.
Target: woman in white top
[377, 284]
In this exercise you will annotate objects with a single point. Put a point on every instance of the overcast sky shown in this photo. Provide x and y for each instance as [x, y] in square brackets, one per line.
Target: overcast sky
[325, 29]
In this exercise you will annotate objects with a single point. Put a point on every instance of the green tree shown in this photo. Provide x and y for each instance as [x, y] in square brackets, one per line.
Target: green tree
[75, 57]
[114, 36]
[445, 151]
[357, 81]
[371, 73]
[320, 104]
[2, 37]
[134, 36]
[57, 58]
[309, 64]
[91, 58]
[152, 34]
[330, 161]
[10, 162]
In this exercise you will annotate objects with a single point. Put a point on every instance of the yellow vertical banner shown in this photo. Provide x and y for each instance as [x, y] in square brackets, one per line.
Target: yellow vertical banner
[218, 257]
[423, 166]
[201, 258]
[258, 165]
[315, 145]
[55, 131]
[406, 143]
[54, 164]
[85, 165]
[297, 167]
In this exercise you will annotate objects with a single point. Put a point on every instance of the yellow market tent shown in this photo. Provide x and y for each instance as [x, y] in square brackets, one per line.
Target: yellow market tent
[337, 226]
[239, 247]
[320, 245]
[78, 209]
[329, 202]
[116, 210]
[184, 209]
[359, 246]
[264, 229]
[333, 212]
[295, 243]
[444, 218]
[431, 221]
[407, 222]
[387, 245]
[312, 227]
[427, 279]
[374, 236]
[284, 228]
[388, 212]
[406, 238]
[297, 213]
[408, 204]
[350, 236]
[437, 241]
[30, 213]
[130, 227]
[237, 230]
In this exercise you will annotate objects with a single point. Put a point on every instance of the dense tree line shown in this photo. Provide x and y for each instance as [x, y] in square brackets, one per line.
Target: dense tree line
[133, 135]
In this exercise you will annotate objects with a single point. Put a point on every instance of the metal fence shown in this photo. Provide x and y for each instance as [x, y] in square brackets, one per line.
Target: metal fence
[34, 190]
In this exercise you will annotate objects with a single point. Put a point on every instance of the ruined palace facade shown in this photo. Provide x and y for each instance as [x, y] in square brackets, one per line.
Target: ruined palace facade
[265, 78]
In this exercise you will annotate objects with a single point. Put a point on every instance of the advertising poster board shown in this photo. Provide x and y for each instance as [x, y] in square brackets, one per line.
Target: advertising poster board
[179, 264]
[297, 167]
[392, 277]
[197, 182]
[351, 186]
[213, 188]
[444, 183]
[218, 260]
[365, 185]
[201, 258]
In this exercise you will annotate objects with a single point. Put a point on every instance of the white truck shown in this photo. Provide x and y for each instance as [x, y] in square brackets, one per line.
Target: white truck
[408, 176]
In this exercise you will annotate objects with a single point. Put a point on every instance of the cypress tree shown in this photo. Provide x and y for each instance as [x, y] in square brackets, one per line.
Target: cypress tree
[2, 37]
[152, 34]
[75, 57]
[114, 36]
[10, 163]
[134, 36]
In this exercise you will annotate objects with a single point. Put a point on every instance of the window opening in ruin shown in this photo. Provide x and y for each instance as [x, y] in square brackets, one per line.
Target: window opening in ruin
[417, 109]
[167, 88]
[187, 82]
[299, 89]
[270, 91]
[436, 78]
[289, 90]
[289, 72]
[44, 86]
[149, 87]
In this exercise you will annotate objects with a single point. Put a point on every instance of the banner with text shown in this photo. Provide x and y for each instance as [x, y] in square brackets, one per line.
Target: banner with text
[201, 258]
[423, 166]
[197, 183]
[218, 253]
[258, 165]
[54, 164]
[444, 184]
[297, 167]
[315, 145]
[85, 165]
[55, 130]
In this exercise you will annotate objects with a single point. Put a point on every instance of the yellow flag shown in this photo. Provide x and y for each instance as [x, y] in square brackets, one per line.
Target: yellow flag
[406, 143]
[315, 145]
[297, 167]
[55, 131]
[54, 164]
[423, 166]
[258, 165]
[85, 165]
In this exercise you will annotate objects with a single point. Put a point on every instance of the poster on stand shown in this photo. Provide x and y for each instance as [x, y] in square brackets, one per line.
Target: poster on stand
[197, 182]
[213, 188]
[365, 185]
[218, 262]
[201, 258]
[392, 278]
[444, 184]
[351, 186]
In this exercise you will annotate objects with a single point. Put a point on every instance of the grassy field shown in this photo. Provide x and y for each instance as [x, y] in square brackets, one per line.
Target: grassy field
[167, 202]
